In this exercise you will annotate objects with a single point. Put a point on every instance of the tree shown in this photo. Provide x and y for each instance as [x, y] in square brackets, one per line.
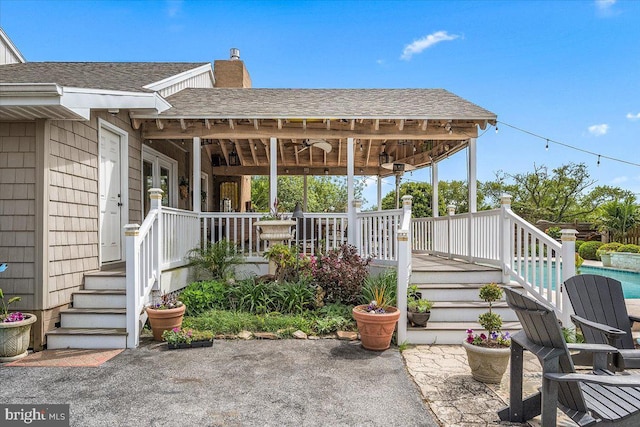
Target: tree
[421, 203]
[618, 217]
[324, 193]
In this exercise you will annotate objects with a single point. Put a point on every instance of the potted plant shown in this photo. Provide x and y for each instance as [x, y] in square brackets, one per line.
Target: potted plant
[488, 354]
[274, 227]
[377, 320]
[187, 338]
[15, 330]
[165, 314]
[418, 311]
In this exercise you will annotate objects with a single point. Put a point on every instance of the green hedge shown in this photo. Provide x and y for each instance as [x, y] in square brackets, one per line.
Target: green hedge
[608, 247]
[578, 244]
[588, 250]
[629, 248]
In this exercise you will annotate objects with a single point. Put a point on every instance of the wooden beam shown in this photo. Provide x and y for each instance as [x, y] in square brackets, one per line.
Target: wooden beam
[376, 124]
[296, 152]
[265, 145]
[183, 125]
[424, 124]
[159, 124]
[328, 124]
[246, 132]
[368, 156]
[281, 146]
[136, 123]
[304, 124]
[223, 148]
[239, 151]
[401, 125]
[255, 123]
[279, 123]
[352, 126]
[207, 123]
[252, 147]
[296, 170]
[339, 150]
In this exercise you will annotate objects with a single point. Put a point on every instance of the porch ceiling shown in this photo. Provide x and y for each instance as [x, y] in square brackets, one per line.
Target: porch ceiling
[414, 126]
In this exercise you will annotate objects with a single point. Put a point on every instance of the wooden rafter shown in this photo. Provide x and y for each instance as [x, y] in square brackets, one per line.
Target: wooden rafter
[239, 151]
[282, 156]
[368, 156]
[225, 153]
[252, 147]
[295, 151]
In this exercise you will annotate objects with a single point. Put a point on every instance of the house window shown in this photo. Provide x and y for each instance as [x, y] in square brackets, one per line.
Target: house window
[158, 171]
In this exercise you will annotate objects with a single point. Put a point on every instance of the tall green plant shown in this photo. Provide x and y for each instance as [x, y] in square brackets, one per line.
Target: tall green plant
[618, 217]
[381, 288]
[490, 321]
[215, 259]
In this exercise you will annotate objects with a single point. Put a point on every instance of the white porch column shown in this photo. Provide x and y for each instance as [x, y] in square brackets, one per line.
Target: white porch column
[472, 177]
[351, 209]
[195, 181]
[568, 253]
[434, 189]
[379, 193]
[273, 172]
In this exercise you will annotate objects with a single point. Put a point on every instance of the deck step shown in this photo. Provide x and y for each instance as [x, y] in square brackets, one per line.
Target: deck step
[420, 276]
[451, 291]
[87, 338]
[100, 298]
[450, 332]
[93, 318]
[102, 280]
[468, 311]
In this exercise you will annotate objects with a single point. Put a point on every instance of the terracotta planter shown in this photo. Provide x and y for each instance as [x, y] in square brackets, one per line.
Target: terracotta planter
[488, 365]
[14, 338]
[418, 319]
[375, 329]
[164, 320]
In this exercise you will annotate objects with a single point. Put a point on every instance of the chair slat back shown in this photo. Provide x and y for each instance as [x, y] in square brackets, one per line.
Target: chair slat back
[541, 327]
[600, 299]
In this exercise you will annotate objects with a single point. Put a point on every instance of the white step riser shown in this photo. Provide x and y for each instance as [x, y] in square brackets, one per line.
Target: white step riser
[442, 277]
[99, 301]
[87, 320]
[86, 341]
[105, 282]
[439, 337]
[451, 295]
[468, 314]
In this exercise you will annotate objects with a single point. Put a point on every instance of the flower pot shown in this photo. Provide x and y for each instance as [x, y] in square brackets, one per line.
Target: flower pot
[606, 259]
[376, 329]
[487, 364]
[276, 230]
[418, 319]
[14, 338]
[165, 320]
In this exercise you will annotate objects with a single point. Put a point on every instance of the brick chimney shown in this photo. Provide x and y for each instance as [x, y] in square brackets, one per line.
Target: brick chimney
[231, 72]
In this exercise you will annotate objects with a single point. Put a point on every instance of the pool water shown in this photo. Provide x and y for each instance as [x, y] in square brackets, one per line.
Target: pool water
[630, 280]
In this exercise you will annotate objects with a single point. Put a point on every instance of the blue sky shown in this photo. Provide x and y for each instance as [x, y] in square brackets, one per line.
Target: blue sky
[566, 70]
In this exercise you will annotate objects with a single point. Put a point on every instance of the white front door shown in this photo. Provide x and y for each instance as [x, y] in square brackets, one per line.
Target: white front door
[110, 196]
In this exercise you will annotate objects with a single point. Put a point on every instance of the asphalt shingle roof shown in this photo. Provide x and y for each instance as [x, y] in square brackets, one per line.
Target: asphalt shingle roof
[121, 76]
[324, 103]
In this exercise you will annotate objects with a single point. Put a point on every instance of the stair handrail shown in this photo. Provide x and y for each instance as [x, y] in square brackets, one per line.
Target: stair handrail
[528, 254]
[144, 265]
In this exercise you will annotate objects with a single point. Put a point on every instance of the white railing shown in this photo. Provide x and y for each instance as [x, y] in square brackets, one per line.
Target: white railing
[321, 232]
[143, 267]
[181, 234]
[501, 238]
[470, 236]
[378, 234]
[237, 228]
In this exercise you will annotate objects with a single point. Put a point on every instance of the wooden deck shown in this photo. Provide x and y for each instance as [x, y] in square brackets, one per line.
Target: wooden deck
[425, 263]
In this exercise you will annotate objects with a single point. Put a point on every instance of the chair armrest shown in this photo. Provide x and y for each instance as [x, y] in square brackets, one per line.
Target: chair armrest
[593, 348]
[609, 331]
[634, 319]
[612, 380]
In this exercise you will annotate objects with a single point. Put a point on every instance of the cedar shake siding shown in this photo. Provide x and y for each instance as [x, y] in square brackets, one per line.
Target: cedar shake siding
[17, 209]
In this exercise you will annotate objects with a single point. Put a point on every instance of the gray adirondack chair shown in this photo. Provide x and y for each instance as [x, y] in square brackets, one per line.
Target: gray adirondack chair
[602, 315]
[602, 397]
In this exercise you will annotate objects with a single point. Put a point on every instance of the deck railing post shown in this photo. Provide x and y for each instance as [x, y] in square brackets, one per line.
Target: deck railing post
[568, 254]
[155, 194]
[132, 283]
[451, 211]
[357, 226]
[404, 266]
[506, 234]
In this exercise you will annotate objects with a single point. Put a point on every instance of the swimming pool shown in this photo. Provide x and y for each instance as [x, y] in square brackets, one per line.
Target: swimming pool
[629, 279]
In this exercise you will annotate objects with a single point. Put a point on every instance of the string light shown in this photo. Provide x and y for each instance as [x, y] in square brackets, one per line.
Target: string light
[547, 146]
[496, 127]
[570, 146]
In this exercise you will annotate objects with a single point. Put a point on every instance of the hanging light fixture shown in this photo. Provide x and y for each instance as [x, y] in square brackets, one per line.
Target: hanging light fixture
[383, 157]
[234, 159]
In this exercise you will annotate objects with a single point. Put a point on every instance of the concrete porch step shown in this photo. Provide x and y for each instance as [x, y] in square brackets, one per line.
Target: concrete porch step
[94, 318]
[87, 338]
[102, 280]
[100, 298]
[468, 311]
[450, 332]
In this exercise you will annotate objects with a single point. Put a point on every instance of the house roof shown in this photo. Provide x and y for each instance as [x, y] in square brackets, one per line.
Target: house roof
[117, 76]
[322, 103]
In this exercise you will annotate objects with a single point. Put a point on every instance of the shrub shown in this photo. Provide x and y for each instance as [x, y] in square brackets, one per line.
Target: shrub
[588, 250]
[578, 244]
[202, 296]
[629, 248]
[284, 259]
[216, 259]
[294, 298]
[341, 274]
[608, 247]
[554, 232]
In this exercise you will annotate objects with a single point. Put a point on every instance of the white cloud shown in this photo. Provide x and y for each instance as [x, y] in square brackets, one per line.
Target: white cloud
[633, 117]
[606, 8]
[598, 130]
[619, 180]
[174, 7]
[426, 42]
[605, 4]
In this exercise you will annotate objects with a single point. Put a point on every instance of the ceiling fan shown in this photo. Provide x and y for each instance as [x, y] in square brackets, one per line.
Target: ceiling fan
[318, 143]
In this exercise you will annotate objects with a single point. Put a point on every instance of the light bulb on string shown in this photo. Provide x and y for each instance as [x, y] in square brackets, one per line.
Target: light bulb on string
[547, 146]
[598, 160]
[496, 128]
